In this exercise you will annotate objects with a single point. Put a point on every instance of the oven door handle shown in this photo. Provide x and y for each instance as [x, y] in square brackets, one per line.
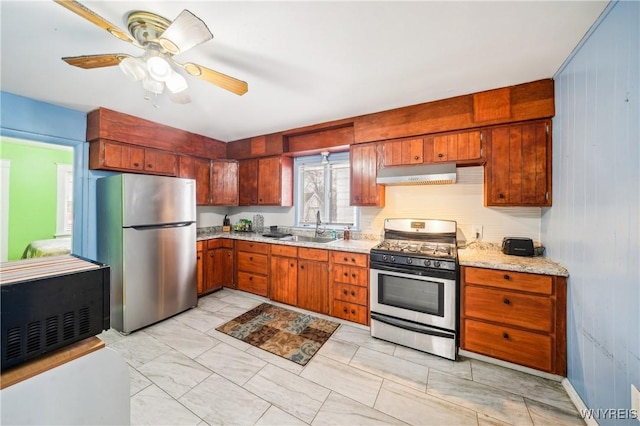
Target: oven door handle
[411, 326]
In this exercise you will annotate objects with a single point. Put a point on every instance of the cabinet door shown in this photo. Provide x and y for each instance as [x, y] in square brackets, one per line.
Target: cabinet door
[160, 162]
[223, 268]
[518, 169]
[248, 182]
[118, 156]
[200, 170]
[462, 147]
[364, 168]
[313, 286]
[283, 277]
[269, 181]
[402, 152]
[212, 279]
[224, 183]
[200, 268]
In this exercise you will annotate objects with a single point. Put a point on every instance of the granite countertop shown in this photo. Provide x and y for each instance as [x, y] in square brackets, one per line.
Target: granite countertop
[481, 255]
[490, 255]
[352, 245]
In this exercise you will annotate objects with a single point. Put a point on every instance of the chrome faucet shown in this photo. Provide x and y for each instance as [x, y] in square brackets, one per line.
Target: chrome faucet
[318, 232]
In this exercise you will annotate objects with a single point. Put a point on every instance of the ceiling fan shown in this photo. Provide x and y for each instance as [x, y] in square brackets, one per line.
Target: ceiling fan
[161, 39]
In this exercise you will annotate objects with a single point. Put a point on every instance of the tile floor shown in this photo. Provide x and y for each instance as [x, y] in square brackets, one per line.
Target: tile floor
[184, 372]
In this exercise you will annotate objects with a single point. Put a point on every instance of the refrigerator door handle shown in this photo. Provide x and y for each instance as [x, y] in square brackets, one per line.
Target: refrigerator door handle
[163, 226]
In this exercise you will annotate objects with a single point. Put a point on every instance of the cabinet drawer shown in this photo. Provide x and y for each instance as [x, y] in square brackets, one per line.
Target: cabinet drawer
[517, 346]
[256, 284]
[353, 259]
[349, 311]
[219, 243]
[532, 283]
[351, 275]
[522, 310]
[252, 262]
[350, 293]
[313, 254]
[286, 251]
[252, 247]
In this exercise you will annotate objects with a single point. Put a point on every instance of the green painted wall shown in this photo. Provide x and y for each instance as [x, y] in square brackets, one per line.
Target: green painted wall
[32, 192]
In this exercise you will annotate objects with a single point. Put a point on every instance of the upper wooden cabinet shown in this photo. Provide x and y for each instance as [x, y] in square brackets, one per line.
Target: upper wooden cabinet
[107, 155]
[259, 146]
[224, 182]
[266, 181]
[248, 182]
[518, 168]
[402, 152]
[364, 169]
[458, 147]
[200, 170]
[528, 101]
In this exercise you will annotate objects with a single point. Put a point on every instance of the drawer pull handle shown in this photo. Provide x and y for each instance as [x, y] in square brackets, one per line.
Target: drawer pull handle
[415, 157]
[353, 260]
[353, 275]
[501, 195]
[291, 265]
[505, 335]
[150, 166]
[136, 164]
[250, 278]
[250, 257]
[353, 311]
[345, 310]
[345, 292]
[353, 293]
[345, 259]
[440, 155]
[506, 301]
[346, 274]
[506, 277]
[301, 266]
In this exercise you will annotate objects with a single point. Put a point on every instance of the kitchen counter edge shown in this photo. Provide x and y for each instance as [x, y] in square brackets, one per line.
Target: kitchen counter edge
[354, 246]
[495, 259]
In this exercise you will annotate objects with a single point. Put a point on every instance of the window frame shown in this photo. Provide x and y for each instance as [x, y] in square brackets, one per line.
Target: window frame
[334, 157]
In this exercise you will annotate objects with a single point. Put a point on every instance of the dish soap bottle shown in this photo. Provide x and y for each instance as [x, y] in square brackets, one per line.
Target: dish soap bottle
[347, 234]
[333, 234]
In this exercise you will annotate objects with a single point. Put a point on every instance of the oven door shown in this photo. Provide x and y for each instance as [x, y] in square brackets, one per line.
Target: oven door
[421, 299]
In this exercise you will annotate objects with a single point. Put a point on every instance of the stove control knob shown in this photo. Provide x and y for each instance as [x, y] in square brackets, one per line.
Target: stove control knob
[384, 257]
[409, 260]
[436, 263]
[427, 262]
[393, 258]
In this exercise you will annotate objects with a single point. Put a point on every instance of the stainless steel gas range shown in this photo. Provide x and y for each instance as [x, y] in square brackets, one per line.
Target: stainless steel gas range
[414, 286]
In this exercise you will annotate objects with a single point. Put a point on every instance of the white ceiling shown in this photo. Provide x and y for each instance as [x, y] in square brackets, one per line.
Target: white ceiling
[305, 62]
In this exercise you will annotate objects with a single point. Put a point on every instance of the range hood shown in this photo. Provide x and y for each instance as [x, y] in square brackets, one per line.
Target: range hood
[417, 175]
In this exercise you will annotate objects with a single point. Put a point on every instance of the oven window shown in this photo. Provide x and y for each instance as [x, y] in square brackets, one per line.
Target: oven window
[418, 295]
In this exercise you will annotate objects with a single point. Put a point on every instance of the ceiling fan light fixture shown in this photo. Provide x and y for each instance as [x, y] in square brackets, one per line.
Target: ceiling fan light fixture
[134, 68]
[185, 32]
[153, 86]
[176, 83]
[159, 69]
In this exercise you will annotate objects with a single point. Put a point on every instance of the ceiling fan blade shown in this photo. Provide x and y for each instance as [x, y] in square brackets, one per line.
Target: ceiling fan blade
[95, 61]
[186, 31]
[96, 19]
[231, 84]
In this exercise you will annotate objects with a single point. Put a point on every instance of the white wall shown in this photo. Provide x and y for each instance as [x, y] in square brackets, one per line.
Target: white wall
[462, 202]
[593, 226]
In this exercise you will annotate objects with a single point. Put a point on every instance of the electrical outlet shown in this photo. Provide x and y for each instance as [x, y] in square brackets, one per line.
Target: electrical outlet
[635, 400]
[476, 231]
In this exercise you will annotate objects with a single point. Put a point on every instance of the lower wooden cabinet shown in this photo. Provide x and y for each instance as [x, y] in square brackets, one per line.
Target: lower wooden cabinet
[516, 317]
[200, 248]
[313, 280]
[283, 274]
[218, 265]
[252, 267]
[350, 286]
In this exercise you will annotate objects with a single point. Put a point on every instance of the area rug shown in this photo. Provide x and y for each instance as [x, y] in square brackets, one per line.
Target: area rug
[286, 333]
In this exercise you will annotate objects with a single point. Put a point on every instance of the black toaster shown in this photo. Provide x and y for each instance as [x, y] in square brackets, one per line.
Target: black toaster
[518, 246]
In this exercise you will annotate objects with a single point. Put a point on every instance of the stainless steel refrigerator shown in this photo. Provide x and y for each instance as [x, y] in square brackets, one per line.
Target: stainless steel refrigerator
[147, 234]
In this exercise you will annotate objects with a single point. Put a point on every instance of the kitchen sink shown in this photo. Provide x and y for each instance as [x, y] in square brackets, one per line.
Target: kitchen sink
[306, 239]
